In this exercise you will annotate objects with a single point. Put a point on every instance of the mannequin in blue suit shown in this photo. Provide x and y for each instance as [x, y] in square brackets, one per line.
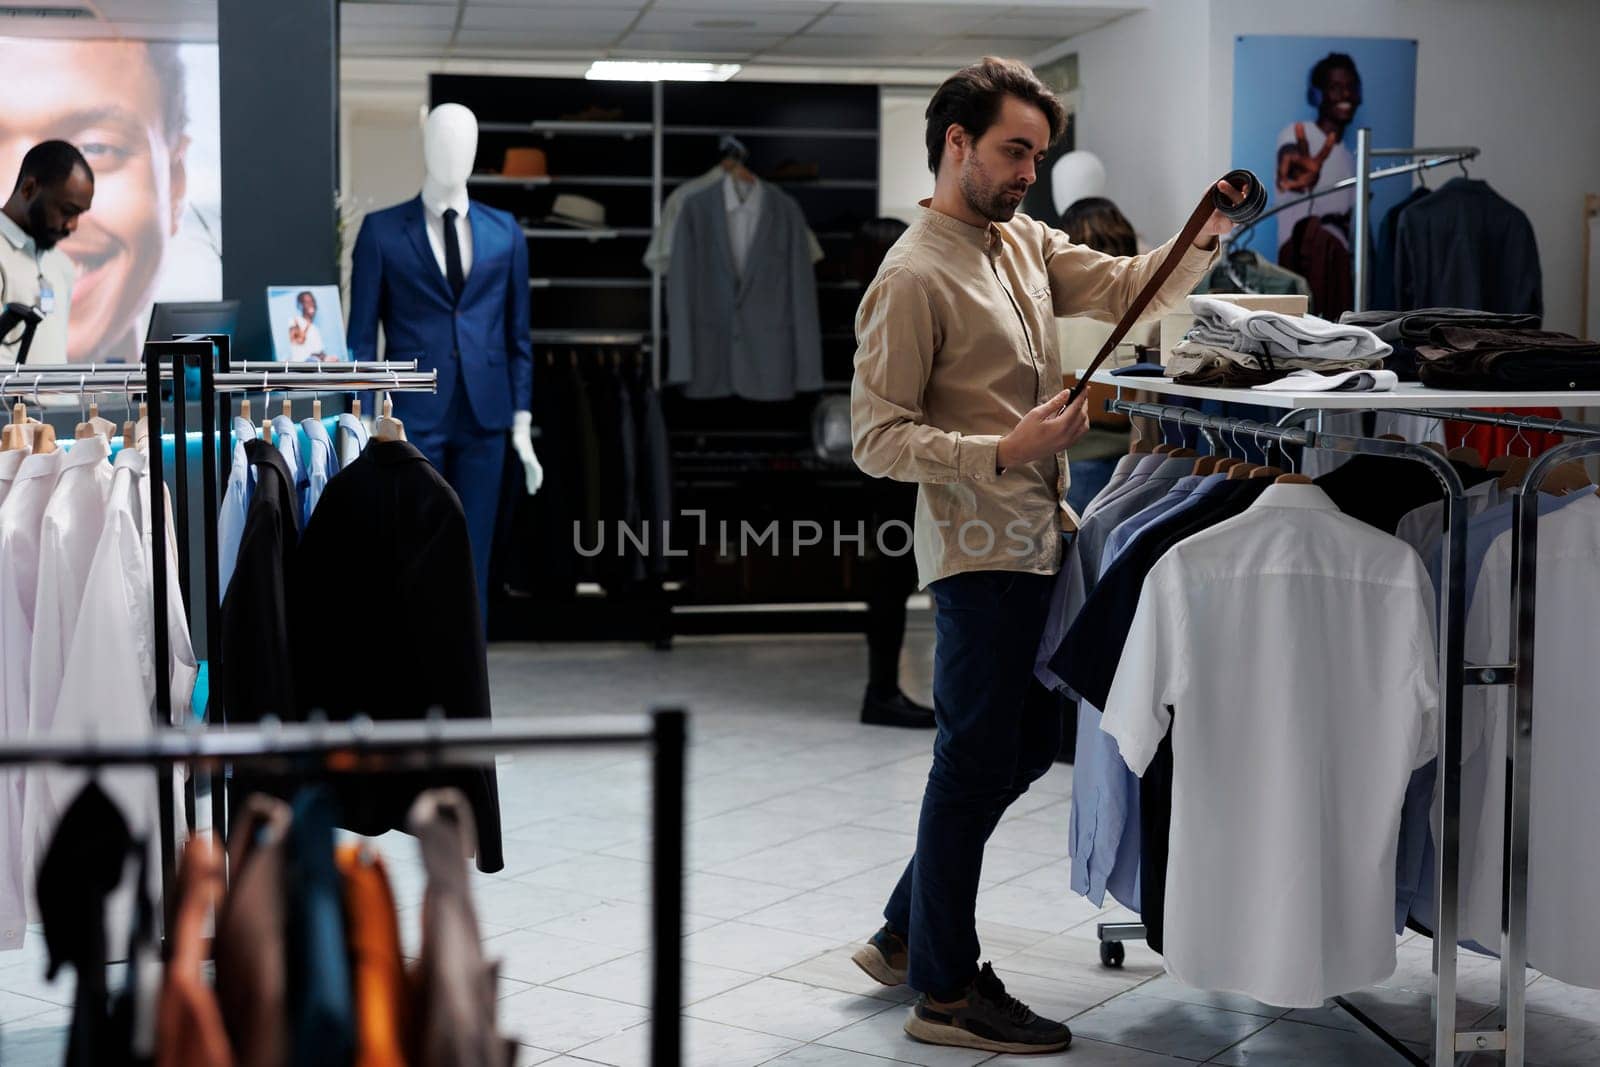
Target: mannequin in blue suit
[447, 278]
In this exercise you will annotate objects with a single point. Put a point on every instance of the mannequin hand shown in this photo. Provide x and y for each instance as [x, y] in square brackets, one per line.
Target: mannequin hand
[522, 444]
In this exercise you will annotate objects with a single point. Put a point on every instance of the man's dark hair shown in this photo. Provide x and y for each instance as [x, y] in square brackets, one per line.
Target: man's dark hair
[1328, 64]
[972, 97]
[1097, 223]
[50, 163]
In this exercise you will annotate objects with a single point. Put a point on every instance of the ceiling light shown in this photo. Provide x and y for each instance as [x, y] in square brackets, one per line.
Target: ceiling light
[656, 71]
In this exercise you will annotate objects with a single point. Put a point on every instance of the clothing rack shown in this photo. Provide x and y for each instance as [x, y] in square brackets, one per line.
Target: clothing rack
[363, 744]
[1362, 182]
[1454, 674]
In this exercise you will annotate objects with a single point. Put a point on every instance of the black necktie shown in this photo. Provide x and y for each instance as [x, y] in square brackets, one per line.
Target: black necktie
[452, 255]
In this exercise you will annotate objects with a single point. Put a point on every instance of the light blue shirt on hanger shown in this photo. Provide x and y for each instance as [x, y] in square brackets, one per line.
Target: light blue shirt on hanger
[235, 502]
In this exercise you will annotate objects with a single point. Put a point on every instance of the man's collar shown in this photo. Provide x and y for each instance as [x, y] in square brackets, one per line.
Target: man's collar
[20, 239]
[984, 237]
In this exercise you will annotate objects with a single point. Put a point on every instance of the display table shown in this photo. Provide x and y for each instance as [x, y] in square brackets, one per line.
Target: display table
[1406, 395]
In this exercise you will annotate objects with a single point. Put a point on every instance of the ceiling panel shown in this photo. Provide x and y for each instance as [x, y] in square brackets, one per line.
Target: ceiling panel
[921, 24]
[397, 15]
[594, 21]
[975, 48]
[545, 41]
[780, 7]
[701, 44]
[376, 36]
[674, 20]
[821, 47]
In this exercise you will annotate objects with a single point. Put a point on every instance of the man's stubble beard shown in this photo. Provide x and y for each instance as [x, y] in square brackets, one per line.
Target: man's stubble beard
[981, 195]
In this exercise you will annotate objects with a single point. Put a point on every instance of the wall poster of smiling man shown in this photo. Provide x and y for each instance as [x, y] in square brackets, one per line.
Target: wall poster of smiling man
[145, 116]
[1297, 103]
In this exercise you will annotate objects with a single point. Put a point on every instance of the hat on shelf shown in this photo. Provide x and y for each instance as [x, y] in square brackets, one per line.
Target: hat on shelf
[570, 209]
[525, 163]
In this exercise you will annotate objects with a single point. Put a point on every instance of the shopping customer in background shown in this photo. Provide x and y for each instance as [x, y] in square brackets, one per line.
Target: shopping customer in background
[955, 388]
[53, 191]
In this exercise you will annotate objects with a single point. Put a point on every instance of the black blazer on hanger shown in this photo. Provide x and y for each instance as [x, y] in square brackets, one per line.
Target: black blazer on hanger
[255, 615]
[383, 609]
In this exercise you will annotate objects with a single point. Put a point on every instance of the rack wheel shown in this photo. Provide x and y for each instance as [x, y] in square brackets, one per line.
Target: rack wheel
[1112, 953]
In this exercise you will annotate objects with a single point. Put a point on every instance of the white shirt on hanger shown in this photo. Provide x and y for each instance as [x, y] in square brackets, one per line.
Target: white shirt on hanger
[20, 519]
[109, 685]
[10, 463]
[68, 536]
[352, 437]
[433, 211]
[743, 201]
[1422, 528]
[1290, 651]
[1563, 849]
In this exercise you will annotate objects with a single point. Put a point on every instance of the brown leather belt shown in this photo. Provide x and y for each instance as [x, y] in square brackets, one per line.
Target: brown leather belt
[1242, 213]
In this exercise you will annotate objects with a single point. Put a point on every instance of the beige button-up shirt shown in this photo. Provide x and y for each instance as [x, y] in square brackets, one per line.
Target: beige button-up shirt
[25, 273]
[956, 342]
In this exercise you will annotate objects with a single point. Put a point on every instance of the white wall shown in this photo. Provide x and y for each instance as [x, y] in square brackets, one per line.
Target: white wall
[903, 177]
[1516, 79]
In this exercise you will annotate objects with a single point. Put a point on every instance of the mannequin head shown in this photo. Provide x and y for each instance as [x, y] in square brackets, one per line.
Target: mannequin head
[449, 146]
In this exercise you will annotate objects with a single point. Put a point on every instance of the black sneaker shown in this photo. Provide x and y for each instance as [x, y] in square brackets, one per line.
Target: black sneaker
[987, 1018]
[885, 957]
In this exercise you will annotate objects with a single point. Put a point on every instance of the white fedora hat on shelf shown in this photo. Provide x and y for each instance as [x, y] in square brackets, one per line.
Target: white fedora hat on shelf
[570, 209]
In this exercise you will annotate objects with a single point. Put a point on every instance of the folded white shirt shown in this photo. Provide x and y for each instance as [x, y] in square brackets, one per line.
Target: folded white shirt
[1287, 335]
[1350, 381]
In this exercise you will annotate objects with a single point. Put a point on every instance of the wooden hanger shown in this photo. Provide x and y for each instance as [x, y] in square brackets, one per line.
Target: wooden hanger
[1465, 454]
[288, 407]
[1292, 479]
[1242, 470]
[1267, 472]
[1434, 446]
[355, 405]
[389, 428]
[94, 424]
[244, 407]
[16, 436]
[316, 408]
[44, 440]
[1206, 465]
[1566, 478]
[1163, 449]
[1180, 452]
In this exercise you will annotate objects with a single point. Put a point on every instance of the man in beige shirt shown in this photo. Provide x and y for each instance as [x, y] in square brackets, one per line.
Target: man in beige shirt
[957, 388]
[54, 188]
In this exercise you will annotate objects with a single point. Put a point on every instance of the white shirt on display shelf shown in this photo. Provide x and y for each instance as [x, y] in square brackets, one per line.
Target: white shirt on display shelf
[433, 211]
[1340, 164]
[1290, 651]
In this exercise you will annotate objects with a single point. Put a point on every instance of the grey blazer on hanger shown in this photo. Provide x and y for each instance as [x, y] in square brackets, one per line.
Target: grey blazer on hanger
[758, 336]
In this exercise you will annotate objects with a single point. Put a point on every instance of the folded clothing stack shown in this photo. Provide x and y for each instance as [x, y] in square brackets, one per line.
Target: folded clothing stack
[1232, 346]
[1456, 357]
[1405, 330]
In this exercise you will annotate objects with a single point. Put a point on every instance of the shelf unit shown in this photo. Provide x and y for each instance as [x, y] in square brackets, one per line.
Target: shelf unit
[591, 287]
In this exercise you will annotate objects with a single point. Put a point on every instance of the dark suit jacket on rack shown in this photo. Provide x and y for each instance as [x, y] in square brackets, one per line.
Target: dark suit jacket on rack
[389, 535]
[1466, 246]
[480, 344]
[255, 612]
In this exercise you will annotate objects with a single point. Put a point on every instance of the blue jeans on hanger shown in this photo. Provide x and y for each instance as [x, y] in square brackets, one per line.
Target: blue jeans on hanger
[998, 733]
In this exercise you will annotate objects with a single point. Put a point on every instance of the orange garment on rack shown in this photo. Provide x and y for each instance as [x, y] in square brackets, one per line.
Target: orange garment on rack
[1492, 441]
[373, 935]
[189, 1029]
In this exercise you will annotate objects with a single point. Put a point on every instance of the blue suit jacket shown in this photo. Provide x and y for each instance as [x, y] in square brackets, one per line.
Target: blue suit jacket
[480, 344]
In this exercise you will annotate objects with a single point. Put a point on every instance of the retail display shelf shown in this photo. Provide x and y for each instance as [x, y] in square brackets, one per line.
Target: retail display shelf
[588, 129]
[553, 233]
[799, 183]
[1405, 395]
[594, 180]
[773, 131]
[588, 283]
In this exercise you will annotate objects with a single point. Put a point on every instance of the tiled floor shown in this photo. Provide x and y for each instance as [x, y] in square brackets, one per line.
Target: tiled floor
[801, 822]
